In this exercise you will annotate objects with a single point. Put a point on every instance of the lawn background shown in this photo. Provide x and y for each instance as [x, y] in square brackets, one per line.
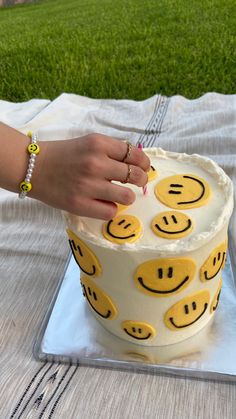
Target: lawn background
[117, 48]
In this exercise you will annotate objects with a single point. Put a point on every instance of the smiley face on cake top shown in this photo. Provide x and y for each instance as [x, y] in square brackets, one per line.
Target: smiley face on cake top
[152, 274]
[182, 189]
[172, 224]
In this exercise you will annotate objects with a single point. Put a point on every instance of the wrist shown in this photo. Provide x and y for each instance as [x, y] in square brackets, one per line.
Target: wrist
[13, 157]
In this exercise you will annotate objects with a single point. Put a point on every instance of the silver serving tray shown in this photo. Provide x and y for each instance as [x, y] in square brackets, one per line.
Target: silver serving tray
[71, 334]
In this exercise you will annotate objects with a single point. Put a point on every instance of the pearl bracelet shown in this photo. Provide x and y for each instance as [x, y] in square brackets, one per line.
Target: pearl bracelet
[33, 149]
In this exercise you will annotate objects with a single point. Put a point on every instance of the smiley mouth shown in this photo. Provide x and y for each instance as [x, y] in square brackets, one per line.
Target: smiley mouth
[210, 277]
[188, 324]
[217, 302]
[117, 237]
[194, 200]
[174, 232]
[140, 280]
[82, 269]
[136, 337]
[105, 316]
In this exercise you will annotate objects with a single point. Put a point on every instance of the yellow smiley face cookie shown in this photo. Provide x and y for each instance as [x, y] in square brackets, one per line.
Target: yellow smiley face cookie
[121, 208]
[97, 299]
[84, 257]
[162, 277]
[183, 191]
[216, 298]
[138, 330]
[122, 229]
[214, 263]
[152, 174]
[172, 225]
[187, 311]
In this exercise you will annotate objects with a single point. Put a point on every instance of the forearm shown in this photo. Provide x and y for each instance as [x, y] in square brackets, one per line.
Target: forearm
[74, 175]
[13, 157]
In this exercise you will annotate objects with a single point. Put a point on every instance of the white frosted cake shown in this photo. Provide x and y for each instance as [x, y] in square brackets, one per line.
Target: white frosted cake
[152, 274]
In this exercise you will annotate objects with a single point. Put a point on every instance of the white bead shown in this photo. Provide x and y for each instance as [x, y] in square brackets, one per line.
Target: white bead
[34, 138]
[31, 165]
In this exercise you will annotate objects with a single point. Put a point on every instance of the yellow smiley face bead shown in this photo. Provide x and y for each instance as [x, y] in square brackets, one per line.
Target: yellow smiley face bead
[187, 311]
[100, 302]
[138, 330]
[33, 148]
[172, 225]
[84, 256]
[122, 229]
[183, 191]
[214, 263]
[25, 186]
[162, 277]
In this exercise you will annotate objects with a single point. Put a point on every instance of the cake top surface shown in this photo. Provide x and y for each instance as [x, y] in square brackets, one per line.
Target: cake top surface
[189, 199]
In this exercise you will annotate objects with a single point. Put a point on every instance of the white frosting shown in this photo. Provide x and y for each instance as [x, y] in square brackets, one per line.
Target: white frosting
[119, 262]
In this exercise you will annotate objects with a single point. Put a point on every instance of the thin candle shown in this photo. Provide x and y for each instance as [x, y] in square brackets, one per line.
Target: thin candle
[145, 191]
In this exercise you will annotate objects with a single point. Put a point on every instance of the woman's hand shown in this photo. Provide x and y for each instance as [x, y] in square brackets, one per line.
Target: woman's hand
[76, 175]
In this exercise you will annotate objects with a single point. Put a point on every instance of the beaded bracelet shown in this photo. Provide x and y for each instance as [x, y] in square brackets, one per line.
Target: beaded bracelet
[33, 149]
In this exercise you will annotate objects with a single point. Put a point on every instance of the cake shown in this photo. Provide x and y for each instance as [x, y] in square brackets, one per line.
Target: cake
[152, 275]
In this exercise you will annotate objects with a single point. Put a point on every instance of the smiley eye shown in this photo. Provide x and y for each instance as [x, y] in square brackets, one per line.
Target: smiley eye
[170, 272]
[175, 185]
[194, 305]
[160, 273]
[89, 291]
[219, 256]
[186, 309]
[127, 225]
[140, 330]
[122, 222]
[80, 251]
[133, 329]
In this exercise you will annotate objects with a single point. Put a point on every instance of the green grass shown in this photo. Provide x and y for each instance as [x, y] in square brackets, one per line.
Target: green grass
[117, 48]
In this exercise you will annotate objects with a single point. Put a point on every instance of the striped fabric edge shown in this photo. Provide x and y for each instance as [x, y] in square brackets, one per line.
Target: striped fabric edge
[154, 126]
